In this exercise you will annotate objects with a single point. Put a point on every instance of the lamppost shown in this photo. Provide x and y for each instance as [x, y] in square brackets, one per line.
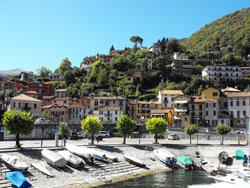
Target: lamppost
[139, 130]
[197, 129]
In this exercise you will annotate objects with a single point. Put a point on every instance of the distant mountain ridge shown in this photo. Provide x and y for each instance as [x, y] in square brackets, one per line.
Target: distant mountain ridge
[12, 71]
[231, 32]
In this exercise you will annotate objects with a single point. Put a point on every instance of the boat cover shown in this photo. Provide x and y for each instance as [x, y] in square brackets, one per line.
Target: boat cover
[14, 162]
[17, 178]
[71, 158]
[53, 158]
[185, 160]
[223, 156]
[246, 161]
[80, 151]
[239, 155]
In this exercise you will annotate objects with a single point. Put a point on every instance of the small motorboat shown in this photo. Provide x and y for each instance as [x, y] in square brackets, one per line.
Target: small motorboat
[13, 162]
[134, 161]
[72, 159]
[246, 161]
[239, 155]
[165, 156]
[186, 162]
[81, 151]
[207, 166]
[53, 158]
[42, 169]
[17, 178]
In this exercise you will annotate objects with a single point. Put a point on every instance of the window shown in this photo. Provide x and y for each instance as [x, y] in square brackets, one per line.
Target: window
[200, 107]
[214, 105]
[34, 105]
[238, 114]
[192, 107]
[231, 103]
[115, 112]
[19, 105]
[244, 103]
[215, 94]
[206, 105]
[244, 112]
[232, 114]
[96, 103]
[115, 118]
[14, 104]
[214, 113]
[237, 103]
[206, 113]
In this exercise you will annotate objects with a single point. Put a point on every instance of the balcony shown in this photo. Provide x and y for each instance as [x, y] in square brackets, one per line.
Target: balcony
[180, 109]
[107, 115]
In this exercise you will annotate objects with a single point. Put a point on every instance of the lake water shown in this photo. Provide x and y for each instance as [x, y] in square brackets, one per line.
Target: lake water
[176, 179]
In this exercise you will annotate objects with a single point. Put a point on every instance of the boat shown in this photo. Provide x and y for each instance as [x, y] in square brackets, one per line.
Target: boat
[223, 157]
[98, 154]
[72, 159]
[13, 162]
[42, 169]
[53, 158]
[165, 156]
[239, 155]
[81, 151]
[134, 161]
[207, 166]
[17, 178]
[246, 161]
[186, 162]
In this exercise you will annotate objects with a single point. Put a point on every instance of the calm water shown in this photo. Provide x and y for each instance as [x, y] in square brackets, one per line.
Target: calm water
[177, 179]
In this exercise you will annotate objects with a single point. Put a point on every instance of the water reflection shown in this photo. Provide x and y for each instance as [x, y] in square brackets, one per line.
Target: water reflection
[177, 179]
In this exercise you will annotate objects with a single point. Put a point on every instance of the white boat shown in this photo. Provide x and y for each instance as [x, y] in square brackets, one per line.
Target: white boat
[81, 151]
[53, 158]
[207, 166]
[42, 169]
[165, 156]
[13, 162]
[134, 161]
[72, 159]
[244, 173]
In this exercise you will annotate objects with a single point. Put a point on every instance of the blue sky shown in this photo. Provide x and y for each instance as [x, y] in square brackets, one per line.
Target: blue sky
[37, 33]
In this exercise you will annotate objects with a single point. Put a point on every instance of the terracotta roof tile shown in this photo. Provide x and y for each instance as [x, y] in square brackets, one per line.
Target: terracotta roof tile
[171, 92]
[237, 94]
[61, 90]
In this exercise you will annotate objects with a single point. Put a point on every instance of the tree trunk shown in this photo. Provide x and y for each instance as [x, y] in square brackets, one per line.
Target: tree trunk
[156, 141]
[17, 141]
[190, 137]
[92, 140]
[124, 139]
[222, 139]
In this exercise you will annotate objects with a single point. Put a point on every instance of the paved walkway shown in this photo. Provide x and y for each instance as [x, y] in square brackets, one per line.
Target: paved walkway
[112, 141]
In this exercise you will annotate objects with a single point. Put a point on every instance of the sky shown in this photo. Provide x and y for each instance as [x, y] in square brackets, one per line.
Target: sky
[35, 33]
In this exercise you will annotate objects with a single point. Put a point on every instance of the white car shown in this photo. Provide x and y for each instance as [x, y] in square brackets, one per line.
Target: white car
[42, 121]
[104, 134]
[173, 137]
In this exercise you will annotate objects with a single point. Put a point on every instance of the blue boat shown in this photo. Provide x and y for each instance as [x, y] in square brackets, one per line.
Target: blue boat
[165, 156]
[245, 161]
[17, 178]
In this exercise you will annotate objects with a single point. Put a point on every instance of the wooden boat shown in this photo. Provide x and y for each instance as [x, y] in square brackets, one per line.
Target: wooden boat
[13, 162]
[165, 156]
[17, 178]
[207, 166]
[239, 155]
[72, 159]
[53, 158]
[134, 161]
[81, 151]
[42, 169]
[186, 162]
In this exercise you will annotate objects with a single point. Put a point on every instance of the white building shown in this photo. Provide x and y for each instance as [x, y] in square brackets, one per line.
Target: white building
[238, 107]
[221, 73]
[56, 76]
[77, 113]
[110, 115]
[166, 97]
[26, 103]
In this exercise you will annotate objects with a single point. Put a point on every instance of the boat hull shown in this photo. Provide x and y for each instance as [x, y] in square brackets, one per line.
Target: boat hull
[165, 156]
[72, 159]
[53, 158]
[13, 163]
[134, 161]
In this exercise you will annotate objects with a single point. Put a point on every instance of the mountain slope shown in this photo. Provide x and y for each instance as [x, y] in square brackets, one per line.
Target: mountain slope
[231, 31]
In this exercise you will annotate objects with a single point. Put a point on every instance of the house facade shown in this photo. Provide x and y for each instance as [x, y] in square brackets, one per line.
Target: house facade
[41, 88]
[166, 97]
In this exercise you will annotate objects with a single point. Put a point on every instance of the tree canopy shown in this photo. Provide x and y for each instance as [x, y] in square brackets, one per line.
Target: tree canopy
[18, 123]
[223, 129]
[156, 126]
[125, 126]
[190, 130]
[43, 71]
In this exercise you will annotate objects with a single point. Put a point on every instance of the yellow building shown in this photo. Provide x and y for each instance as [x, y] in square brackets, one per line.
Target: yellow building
[166, 114]
[141, 110]
[180, 110]
[46, 111]
[134, 75]
[210, 93]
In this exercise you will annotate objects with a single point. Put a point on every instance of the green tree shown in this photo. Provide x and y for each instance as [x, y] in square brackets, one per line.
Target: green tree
[63, 129]
[69, 77]
[18, 123]
[190, 130]
[156, 126]
[92, 126]
[222, 129]
[111, 49]
[125, 126]
[65, 65]
[43, 71]
[140, 40]
[134, 39]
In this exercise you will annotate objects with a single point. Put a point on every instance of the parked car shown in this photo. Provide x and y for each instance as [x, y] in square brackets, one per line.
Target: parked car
[79, 135]
[73, 136]
[173, 137]
[41, 121]
[237, 132]
[104, 134]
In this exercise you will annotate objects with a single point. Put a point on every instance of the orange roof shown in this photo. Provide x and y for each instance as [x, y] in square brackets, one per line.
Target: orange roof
[171, 92]
[61, 89]
[237, 94]
[199, 100]
[23, 97]
[230, 89]
[110, 109]
[31, 92]
[160, 111]
[49, 106]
